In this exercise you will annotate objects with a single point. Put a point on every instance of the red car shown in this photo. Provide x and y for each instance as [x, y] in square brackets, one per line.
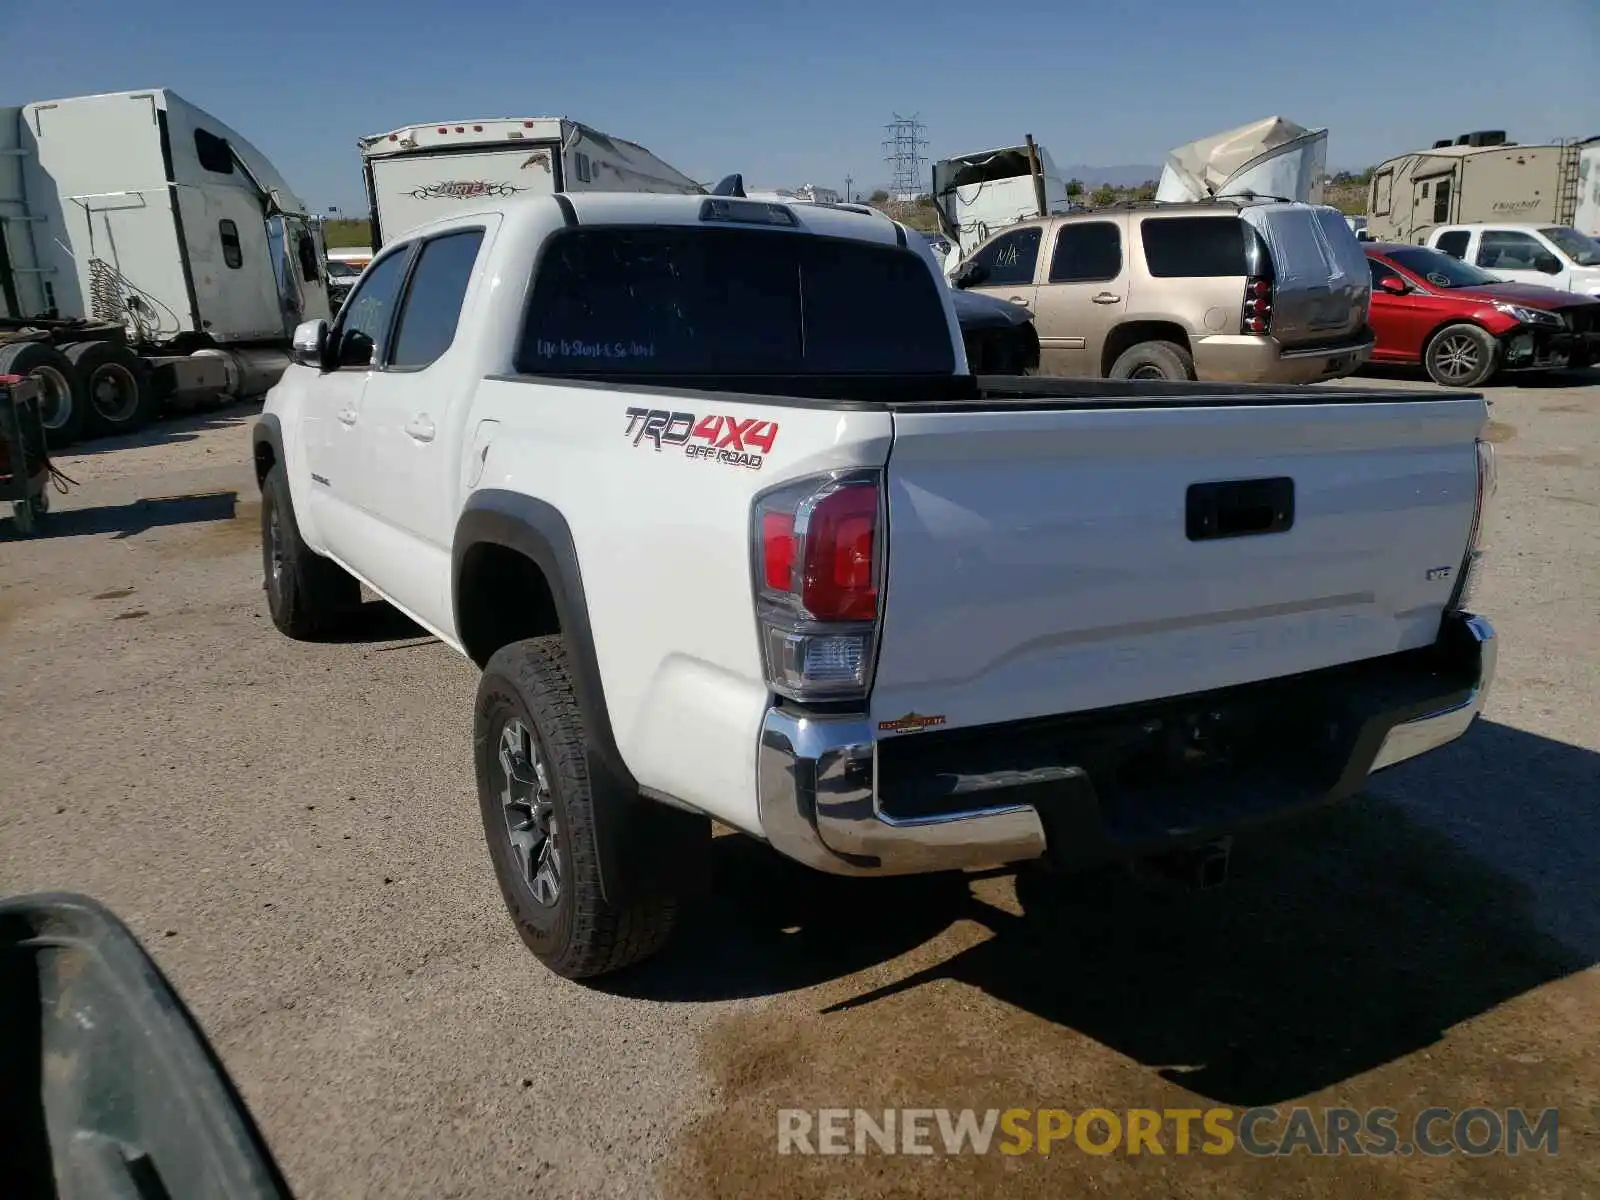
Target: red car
[1463, 325]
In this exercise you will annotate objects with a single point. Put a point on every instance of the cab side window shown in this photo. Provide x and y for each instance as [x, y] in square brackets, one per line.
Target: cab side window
[1010, 259]
[367, 316]
[1087, 252]
[1509, 250]
[434, 297]
[1454, 243]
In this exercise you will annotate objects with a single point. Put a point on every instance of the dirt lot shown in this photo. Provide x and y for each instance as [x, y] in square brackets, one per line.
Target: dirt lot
[293, 832]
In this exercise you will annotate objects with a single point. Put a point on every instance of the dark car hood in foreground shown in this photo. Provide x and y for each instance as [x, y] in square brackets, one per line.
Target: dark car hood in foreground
[976, 311]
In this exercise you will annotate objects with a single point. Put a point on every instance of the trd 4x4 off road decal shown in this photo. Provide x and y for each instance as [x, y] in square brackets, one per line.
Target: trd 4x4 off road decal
[731, 441]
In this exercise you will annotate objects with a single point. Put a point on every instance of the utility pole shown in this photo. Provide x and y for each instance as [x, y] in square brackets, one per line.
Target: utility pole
[848, 180]
[903, 152]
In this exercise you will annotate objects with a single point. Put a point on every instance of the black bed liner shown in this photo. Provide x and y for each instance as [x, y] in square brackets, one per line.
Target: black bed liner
[975, 393]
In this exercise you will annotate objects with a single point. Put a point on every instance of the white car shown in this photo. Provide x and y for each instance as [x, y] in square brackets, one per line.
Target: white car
[1553, 256]
[704, 486]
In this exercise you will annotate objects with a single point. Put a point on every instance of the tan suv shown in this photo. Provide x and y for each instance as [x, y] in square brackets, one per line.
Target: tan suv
[1242, 291]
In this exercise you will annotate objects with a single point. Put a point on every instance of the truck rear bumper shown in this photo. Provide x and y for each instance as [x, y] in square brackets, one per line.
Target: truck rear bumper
[1258, 358]
[1127, 783]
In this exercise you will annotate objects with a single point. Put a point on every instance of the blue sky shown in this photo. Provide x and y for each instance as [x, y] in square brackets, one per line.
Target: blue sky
[790, 93]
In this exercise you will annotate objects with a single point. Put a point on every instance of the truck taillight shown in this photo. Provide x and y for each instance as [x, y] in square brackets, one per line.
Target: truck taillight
[1488, 482]
[818, 561]
[1258, 306]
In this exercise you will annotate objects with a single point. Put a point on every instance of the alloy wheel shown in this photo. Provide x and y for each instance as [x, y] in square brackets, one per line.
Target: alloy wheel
[531, 825]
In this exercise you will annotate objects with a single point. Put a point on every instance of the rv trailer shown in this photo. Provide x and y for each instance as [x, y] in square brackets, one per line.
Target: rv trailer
[1483, 177]
[423, 172]
[148, 254]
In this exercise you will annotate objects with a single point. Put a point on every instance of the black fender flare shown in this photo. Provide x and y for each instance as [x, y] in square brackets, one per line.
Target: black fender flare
[643, 847]
[267, 431]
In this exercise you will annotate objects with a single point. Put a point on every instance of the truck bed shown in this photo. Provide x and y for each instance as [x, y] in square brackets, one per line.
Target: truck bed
[1061, 545]
[977, 393]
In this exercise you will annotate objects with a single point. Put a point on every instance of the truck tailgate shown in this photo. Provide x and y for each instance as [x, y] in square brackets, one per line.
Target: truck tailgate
[1040, 561]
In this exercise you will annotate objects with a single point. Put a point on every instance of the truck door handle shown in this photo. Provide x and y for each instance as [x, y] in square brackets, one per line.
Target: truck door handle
[347, 416]
[1107, 298]
[419, 428]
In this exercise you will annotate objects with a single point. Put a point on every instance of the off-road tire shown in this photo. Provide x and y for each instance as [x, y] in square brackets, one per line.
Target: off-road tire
[34, 358]
[113, 374]
[1154, 360]
[1442, 353]
[581, 935]
[309, 596]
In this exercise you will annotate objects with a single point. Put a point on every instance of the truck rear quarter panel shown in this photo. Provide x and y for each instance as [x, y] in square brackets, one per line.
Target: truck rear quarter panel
[657, 490]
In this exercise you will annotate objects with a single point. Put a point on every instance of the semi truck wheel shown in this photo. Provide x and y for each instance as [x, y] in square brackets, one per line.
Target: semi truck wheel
[539, 819]
[307, 594]
[120, 397]
[63, 408]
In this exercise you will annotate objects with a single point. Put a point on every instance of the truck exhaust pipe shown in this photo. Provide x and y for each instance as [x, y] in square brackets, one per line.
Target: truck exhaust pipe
[1200, 868]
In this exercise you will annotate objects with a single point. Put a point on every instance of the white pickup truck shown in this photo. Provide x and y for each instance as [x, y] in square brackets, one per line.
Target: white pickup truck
[1552, 256]
[705, 488]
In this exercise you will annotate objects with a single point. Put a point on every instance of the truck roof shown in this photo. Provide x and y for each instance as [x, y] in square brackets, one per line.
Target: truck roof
[650, 208]
[1518, 226]
[258, 163]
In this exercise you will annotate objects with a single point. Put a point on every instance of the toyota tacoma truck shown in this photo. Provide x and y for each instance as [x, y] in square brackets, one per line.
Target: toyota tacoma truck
[707, 490]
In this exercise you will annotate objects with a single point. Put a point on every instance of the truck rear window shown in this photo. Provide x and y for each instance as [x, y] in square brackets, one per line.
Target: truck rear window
[695, 301]
[1194, 247]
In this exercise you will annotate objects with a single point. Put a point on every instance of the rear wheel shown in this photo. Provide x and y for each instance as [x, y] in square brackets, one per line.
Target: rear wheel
[1461, 356]
[1154, 360]
[63, 408]
[120, 397]
[540, 819]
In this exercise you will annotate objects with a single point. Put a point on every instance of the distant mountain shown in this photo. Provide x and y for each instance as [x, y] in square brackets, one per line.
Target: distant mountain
[1128, 175]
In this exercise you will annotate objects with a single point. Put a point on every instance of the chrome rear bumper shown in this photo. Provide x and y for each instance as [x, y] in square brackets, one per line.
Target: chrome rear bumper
[1418, 736]
[818, 806]
[819, 802]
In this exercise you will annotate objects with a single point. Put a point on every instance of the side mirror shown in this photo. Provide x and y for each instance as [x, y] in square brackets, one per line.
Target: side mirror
[969, 274]
[109, 1086]
[355, 349]
[1548, 263]
[310, 339]
[1394, 285]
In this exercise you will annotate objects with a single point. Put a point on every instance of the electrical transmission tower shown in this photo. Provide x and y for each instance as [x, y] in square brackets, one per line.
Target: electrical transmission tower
[902, 150]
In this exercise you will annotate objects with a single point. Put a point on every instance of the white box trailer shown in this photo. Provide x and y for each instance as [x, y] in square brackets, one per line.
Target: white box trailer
[1586, 212]
[147, 252]
[977, 195]
[422, 172]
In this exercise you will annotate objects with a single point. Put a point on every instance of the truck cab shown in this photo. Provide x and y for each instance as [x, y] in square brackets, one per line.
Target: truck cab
[1553, 256]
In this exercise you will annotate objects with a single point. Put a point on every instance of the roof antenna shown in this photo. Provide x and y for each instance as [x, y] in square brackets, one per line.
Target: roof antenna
[729, 185]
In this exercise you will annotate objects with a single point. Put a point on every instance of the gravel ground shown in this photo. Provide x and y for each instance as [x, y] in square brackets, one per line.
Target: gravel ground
[292, 830]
